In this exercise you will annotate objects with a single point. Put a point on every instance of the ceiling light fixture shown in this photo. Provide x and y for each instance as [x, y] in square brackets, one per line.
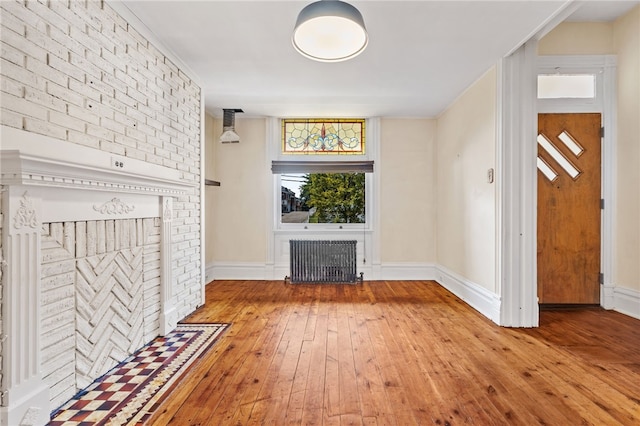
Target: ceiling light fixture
[330, 31]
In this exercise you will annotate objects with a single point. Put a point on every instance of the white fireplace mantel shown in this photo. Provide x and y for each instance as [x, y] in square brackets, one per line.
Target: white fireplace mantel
[48, 180]
[33, 159]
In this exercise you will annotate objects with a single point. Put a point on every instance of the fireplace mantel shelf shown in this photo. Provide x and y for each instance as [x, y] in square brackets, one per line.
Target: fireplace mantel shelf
[32, 159]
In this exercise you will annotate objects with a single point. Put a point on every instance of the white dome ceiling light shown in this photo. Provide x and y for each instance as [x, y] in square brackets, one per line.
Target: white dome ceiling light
[330, 31]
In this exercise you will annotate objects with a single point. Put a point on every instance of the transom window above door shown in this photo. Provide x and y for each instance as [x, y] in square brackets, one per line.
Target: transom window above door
[566, 86]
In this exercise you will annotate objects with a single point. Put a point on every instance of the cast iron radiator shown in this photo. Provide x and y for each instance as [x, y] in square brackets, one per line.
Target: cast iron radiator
[314, 261]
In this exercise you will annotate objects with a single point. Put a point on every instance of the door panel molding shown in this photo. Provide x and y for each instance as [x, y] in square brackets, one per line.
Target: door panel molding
[569, 214]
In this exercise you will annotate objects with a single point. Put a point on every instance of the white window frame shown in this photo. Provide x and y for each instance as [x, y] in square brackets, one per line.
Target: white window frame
[593, 79]
[369, 184]
[575, 65]
[367, 235]
[368, 193]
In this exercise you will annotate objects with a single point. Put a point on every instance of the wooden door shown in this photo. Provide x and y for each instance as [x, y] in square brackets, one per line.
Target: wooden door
[569, 208]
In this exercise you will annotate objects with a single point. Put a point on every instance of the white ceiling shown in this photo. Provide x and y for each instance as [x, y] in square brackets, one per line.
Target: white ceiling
[421, 56]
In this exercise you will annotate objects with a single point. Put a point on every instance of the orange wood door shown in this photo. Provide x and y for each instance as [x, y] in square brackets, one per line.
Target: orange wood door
[569, 208]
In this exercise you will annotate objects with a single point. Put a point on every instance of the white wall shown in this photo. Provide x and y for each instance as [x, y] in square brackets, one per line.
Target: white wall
[466, 202]
[237, 222]
[578, 38]
[210, 128]
[407, 190]
[237, 217]
[626, 40]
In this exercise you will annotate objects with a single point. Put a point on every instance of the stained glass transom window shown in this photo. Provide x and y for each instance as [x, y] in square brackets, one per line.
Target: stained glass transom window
[323, 136]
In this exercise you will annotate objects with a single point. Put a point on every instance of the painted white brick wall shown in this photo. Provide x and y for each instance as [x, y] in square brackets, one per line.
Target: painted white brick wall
[77, 71]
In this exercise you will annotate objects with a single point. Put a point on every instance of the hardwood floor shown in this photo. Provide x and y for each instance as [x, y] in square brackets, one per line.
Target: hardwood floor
[401, 353]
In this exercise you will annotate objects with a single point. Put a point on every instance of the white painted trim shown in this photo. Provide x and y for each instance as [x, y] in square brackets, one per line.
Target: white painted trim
[516, 173]
[263, 271]
[79, 205]
[609, 182]
[626, 301]
[574, 63]
[273, 202]
[408, 271]
[373, 133]
[168, 313]
[32, 409]
[476, 296]
[203, 230]
[237, 271]
[607, 293]
[33, 159]
[24, 395]
[208, 274]
[599, 65]
[499, 269]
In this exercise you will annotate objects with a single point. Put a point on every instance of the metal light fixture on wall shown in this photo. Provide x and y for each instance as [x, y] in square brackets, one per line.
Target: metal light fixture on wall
[330, 31]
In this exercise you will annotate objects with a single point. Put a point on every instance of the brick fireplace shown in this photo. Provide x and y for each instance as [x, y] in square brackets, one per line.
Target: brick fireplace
[86, 277]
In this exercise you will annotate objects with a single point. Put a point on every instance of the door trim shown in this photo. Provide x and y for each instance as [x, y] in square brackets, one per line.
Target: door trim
[516, 193]
[604, 67]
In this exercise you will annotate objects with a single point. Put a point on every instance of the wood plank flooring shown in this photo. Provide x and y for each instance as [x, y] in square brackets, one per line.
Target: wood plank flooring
[401, 353]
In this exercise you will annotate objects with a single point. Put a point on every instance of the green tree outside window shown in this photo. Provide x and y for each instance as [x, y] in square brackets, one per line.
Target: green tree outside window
[335, 197]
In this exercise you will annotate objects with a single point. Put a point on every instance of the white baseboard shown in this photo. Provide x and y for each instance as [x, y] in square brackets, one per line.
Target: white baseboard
[407, 271]
[623, 300]
[261, 271]
[236, 271]
[476, 296]
[479, 298]
[626, 301]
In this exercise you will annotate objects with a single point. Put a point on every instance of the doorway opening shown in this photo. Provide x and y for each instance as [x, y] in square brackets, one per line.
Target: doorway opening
[575, 151]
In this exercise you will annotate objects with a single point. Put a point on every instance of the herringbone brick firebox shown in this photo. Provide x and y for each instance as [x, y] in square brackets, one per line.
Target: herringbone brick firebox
[100, 298]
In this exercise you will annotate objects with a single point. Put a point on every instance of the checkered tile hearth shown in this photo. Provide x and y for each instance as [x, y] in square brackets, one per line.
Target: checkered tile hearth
[131, 391]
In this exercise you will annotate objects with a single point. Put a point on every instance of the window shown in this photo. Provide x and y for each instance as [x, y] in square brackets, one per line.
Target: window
[566, 86]
[323, 172]
[323, 198]
[323, 136]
